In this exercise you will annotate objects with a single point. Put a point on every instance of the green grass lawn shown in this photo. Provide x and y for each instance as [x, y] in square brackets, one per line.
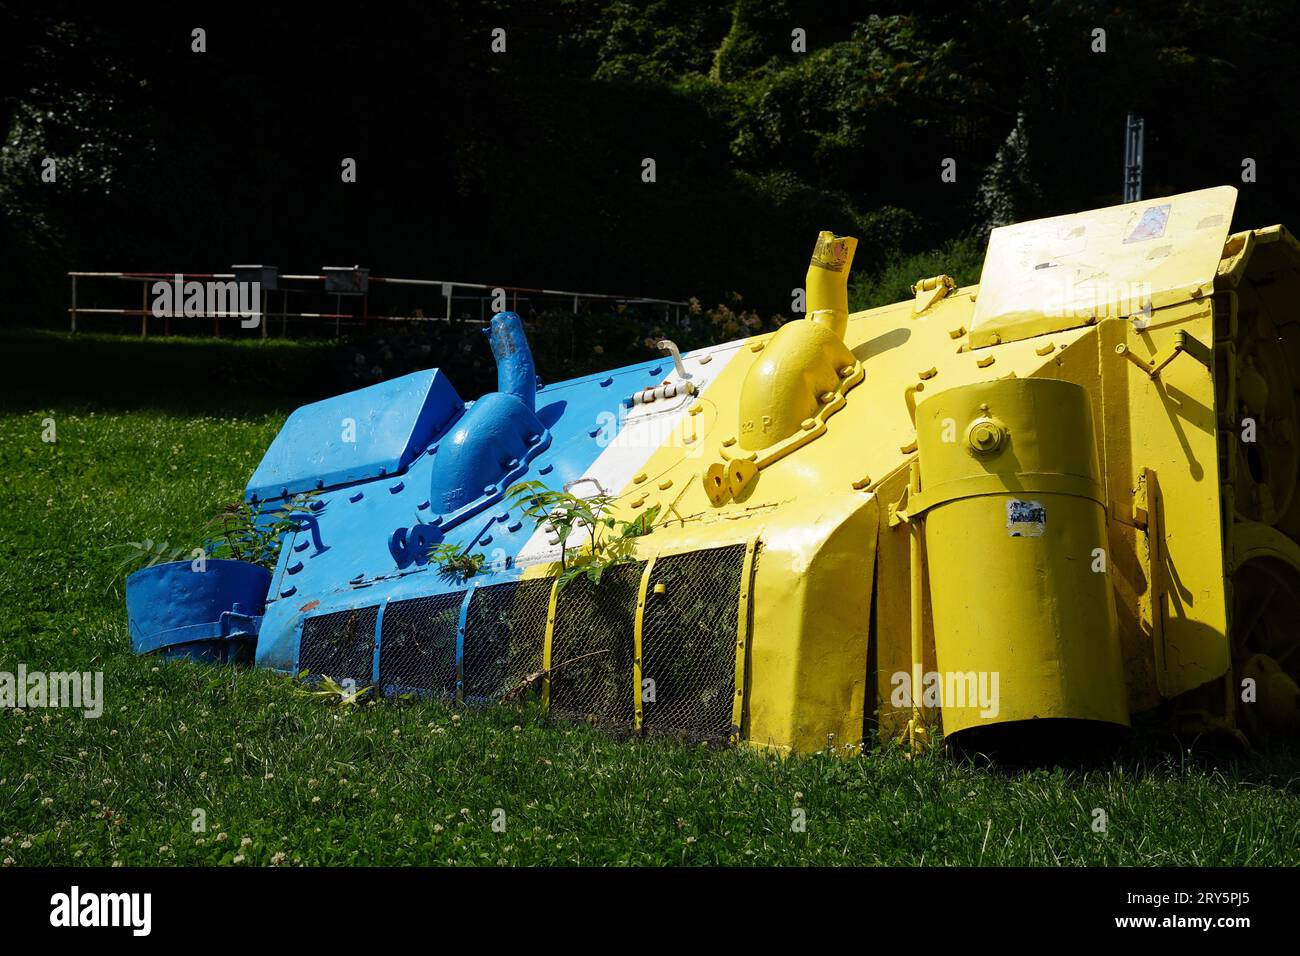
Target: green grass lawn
[149, 447]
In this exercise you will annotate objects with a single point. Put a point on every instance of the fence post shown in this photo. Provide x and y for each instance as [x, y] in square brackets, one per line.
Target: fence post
[74, 303]
[144, 309]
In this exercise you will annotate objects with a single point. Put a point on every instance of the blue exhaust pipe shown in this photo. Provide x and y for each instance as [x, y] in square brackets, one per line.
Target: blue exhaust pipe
[516, 374]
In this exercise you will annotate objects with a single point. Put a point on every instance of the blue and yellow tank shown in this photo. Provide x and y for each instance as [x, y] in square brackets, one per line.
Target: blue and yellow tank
[1062, 498]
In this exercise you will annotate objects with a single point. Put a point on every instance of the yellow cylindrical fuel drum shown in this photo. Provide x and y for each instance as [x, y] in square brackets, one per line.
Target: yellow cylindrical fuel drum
[1015, 541]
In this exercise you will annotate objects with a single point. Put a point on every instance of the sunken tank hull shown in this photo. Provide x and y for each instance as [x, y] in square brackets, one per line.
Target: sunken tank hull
[1063, 499]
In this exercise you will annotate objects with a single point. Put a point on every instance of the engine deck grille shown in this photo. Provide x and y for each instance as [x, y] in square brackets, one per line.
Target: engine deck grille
[688, 644]
[592, 648]
[505, 630]
[689, 638]
[417, 648]
[340, 645]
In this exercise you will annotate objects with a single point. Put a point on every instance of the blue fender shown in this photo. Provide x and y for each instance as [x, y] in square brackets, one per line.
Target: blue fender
[210, 615]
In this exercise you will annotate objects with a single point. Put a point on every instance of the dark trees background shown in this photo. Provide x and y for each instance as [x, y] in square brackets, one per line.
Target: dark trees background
[524, 167]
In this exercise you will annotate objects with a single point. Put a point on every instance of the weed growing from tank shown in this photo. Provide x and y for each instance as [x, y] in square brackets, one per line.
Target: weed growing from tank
[455, 563]
[146, 553]
[603, 540]
[247, 532]
[244, 532]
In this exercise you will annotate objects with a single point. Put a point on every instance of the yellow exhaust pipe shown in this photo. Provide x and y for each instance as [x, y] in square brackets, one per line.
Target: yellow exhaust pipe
[805, 367]
[827, 282]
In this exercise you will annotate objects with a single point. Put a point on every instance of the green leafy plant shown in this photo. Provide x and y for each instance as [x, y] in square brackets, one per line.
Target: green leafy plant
[455, 563]
[609, 541]
[245, 532]
[147, 553]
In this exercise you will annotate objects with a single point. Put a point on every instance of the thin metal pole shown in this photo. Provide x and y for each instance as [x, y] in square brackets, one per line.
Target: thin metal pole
[144, 310]
[74, 303]
[1134, 147]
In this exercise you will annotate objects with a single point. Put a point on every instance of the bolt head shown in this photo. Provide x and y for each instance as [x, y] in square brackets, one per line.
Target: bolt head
[985, 436]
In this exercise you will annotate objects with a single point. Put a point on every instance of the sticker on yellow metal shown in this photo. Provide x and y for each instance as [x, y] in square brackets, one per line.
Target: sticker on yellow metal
[1026, 519]
[1151, 225]
[1068, 271]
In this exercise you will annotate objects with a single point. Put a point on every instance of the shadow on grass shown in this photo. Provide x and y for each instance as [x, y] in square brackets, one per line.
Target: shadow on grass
[1081, 751]
[175, 375]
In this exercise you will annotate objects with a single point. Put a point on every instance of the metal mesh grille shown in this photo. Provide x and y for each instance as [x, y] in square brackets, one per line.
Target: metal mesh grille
[595, 620]
[688, 643]
[340, 645]
[504, 633]
[688, 649]
[417, 649]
